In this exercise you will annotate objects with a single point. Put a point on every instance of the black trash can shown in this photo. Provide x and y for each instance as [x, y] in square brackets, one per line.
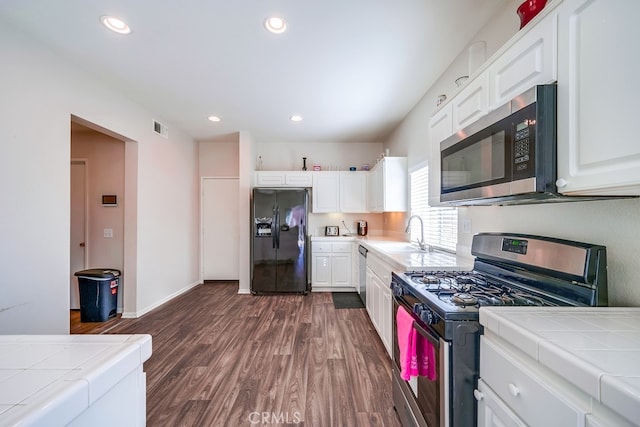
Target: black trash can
[98, 293]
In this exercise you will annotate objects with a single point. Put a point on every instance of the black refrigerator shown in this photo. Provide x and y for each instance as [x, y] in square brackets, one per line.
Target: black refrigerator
[279, 243]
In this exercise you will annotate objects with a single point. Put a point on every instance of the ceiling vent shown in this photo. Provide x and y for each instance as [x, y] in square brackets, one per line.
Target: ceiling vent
[160, 129]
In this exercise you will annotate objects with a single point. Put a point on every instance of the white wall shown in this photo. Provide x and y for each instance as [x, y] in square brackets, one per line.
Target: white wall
[40, 92]
[219, 159]
[611, 223]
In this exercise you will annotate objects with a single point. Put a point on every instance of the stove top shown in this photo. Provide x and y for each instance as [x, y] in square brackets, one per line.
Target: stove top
[509, 270]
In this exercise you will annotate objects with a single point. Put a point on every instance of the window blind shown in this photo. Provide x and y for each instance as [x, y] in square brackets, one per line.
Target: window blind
[440, 224]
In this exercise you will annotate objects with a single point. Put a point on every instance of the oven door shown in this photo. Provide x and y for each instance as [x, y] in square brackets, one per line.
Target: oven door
[430, 397]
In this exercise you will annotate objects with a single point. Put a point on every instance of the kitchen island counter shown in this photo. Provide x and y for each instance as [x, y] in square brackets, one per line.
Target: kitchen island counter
[50, 380]
[596, 349]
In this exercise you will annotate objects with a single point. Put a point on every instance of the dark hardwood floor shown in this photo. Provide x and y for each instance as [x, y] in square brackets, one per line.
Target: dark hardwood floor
[223, 359]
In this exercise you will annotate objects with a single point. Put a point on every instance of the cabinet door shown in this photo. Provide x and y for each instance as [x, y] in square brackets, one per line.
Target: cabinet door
[269, 179]
[369, 297]
[530, 61]
[353, 192]
[471, 103]
[298, 179]
[341, 269]
[440, 128]
[325, 192]
[386, 322]
[394, 184]
[321, 270]
[598, 151]
[375, 189]
[493, 412]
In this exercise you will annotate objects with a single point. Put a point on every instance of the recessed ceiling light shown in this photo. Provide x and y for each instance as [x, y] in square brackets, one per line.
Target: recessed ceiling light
[275, 25]
[115, 24]
[296, 118]
[214, 118]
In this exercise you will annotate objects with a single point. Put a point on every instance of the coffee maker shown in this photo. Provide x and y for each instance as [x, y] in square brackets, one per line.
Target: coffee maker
[362, 228]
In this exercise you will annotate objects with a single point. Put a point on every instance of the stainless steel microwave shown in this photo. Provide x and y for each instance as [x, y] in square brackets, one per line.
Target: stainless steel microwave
[506, 157]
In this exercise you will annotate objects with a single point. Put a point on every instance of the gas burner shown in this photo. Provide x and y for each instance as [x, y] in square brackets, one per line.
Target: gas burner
[465, 279]
[464, 299]
[429, 280]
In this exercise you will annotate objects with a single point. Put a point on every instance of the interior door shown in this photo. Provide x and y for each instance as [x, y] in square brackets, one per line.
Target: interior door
[220, 229]
[78, 255]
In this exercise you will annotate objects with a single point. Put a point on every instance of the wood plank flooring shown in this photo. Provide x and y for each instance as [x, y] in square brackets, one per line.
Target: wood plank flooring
[223, 359]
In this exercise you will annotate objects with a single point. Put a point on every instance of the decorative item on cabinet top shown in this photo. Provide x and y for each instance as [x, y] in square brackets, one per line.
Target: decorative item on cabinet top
[529, 9]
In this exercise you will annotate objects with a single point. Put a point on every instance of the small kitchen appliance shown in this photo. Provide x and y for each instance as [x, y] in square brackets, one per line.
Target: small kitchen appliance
[509, 155]
[362, 228]
[331, 230]
[509, 270]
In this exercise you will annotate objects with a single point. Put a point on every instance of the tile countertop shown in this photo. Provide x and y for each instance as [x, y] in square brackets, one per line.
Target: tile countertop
[404, 256]
[57, 377]
[597, 349]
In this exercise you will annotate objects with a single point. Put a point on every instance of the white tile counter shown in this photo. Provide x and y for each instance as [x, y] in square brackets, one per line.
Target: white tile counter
[596, 349]
[51, 380]
[404, 256]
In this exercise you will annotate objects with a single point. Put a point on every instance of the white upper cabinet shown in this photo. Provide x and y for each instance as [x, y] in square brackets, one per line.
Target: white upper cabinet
[598, 151]
[388, 185]
[471, 103]
[353, 192]
[325, 194]
[530, 61]
[440, 127]
[283, 179]
[339, 192]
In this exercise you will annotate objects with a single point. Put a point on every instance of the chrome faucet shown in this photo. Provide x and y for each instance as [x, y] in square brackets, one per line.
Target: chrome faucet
[421, 242]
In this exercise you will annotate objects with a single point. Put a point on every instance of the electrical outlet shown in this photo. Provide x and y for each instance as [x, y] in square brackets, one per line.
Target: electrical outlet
[466, 226]
[108, 233]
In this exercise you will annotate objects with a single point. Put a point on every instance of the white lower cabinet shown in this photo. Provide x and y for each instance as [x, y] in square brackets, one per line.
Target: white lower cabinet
[378, 299]
[493, 412]
[331, 265]
[515, 390]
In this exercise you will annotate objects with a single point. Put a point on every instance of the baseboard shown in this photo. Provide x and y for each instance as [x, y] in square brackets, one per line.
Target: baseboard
[136, 314]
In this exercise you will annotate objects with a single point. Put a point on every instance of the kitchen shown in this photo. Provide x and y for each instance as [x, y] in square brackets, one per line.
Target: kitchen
[610, 223]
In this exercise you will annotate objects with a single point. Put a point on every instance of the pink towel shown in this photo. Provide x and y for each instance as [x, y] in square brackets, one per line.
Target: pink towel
[406, 341]
[417, 354]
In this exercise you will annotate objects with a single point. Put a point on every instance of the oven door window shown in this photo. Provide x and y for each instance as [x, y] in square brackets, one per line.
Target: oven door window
[480, 160]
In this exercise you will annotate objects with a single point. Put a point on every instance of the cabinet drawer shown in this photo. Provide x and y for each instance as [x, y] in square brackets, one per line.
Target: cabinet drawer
[321, 247]
[341, 247]
[533, 398]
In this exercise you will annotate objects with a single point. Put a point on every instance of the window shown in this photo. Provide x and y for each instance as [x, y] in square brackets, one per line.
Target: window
[440, 224]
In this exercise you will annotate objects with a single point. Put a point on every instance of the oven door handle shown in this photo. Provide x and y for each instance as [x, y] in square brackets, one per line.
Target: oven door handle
[426, 334]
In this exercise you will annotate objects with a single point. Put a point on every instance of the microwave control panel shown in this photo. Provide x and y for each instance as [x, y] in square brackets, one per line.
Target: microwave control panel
[521, 152]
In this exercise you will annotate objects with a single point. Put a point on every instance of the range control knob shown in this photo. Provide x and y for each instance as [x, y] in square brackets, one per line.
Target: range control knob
[424, 313]
[396, 289]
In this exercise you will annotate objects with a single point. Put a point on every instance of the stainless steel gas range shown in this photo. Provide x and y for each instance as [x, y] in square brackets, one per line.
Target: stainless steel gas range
[509, 269]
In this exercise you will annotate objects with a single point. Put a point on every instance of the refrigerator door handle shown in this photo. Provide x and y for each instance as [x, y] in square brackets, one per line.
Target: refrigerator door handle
[277, 228]
[274, 227]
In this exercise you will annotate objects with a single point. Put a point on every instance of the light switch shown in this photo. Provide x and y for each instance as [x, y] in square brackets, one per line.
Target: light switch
[108, 233]
[466, 226]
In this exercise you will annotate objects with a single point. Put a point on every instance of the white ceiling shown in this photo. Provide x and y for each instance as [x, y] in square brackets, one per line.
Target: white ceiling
[352, 68]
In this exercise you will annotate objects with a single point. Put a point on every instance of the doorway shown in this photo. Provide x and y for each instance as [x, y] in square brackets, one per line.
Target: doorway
[103, 163]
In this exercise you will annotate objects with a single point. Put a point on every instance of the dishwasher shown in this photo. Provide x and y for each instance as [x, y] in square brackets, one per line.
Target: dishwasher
[362, 270]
